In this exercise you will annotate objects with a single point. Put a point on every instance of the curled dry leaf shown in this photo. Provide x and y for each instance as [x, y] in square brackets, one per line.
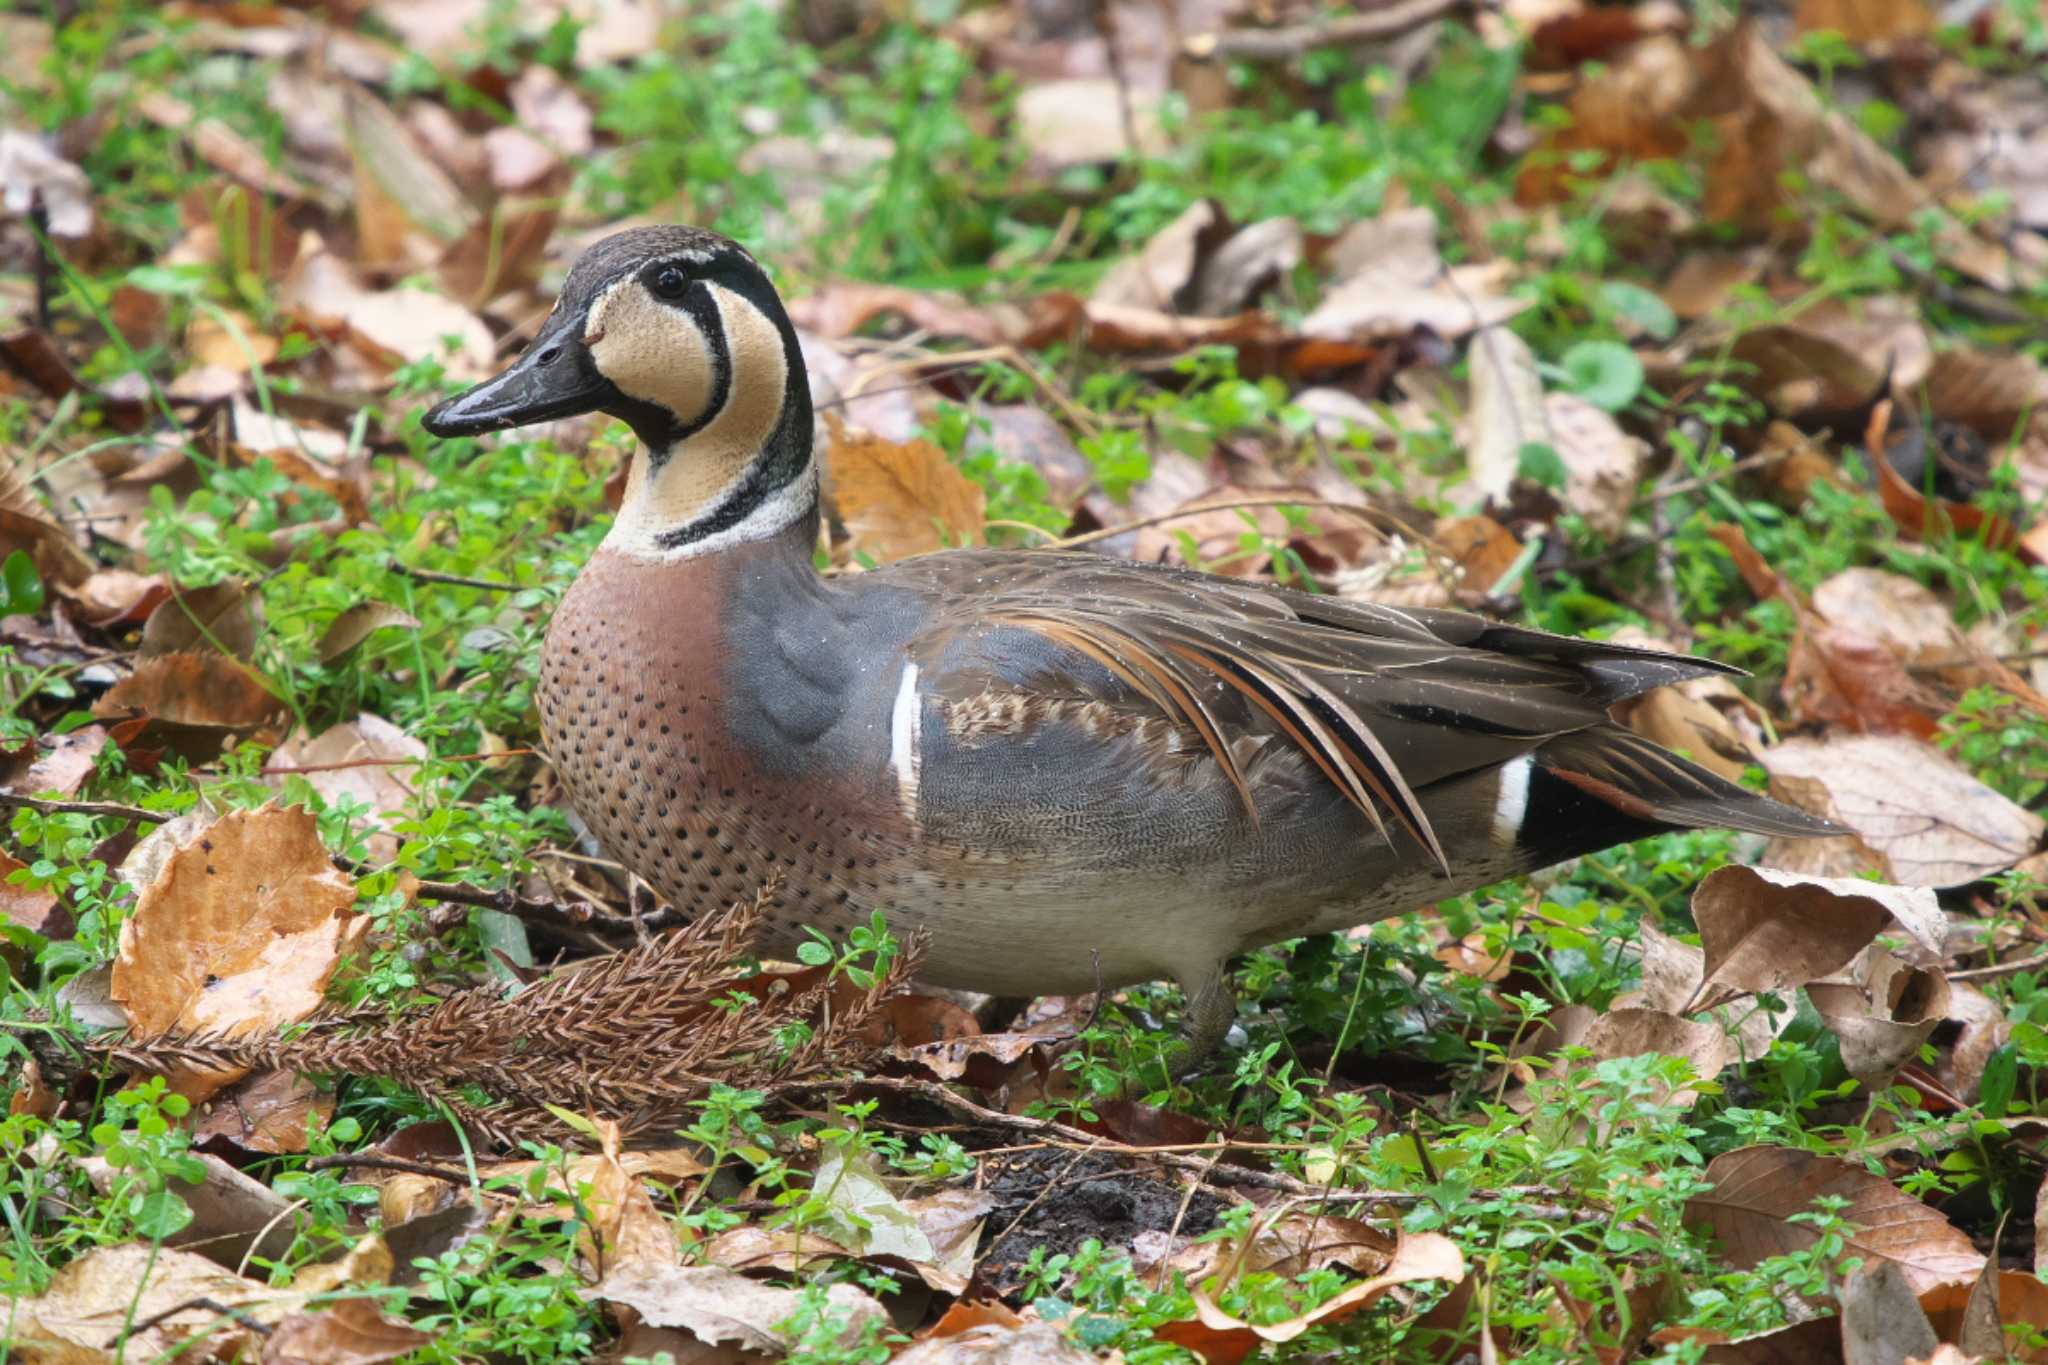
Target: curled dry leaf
[900, 498]
[238, 933]
[1882, 1020]
[716, 1304]
[1836, 676]
[1673, 971]
[1763, 930]
[26, 524]
[226, 618]
[1164, 273]
[1756, 1190]
[32, 175]
[357, 624]
[1881, 1317]
[233, 1214]
[840, 310]
[191, 702]
[1223, 1339]
[1927, 821]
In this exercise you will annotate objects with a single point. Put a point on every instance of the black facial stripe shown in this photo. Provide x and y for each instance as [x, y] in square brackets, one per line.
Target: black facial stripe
[703, 310]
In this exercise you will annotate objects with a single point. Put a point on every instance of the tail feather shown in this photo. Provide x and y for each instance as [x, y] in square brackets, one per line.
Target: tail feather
[1646, 783]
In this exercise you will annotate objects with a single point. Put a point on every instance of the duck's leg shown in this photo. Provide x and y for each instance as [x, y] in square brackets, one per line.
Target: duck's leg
[1205, 1020]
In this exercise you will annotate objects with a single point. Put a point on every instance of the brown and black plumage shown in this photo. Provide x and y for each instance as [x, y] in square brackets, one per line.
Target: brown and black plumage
[1062, 768]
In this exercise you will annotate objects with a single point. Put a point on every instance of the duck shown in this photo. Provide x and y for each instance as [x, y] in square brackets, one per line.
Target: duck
[1061, 771]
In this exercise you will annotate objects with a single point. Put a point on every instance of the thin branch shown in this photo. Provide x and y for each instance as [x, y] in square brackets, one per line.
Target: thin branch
[345, 1160]
[453, 580]
[112, 810]
[1998, 970]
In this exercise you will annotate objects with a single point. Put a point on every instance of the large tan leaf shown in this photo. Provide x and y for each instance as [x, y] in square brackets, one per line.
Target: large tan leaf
[99, 1296]
[900, 498]
[1932, 823]
[239, 931]
[1758, 1189]
[1769, 931]
[368, 760]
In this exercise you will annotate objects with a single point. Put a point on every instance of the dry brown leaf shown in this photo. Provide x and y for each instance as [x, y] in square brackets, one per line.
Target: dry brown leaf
[193, 702]
[1256, 257]
[718, 1305]
[226, 618]
[32, 174]
[1163, 274]
[1603, 464]
[368, 760]
[1757, 1189]
[351, 1332]
[1223, 1339]
[1673, 971]
[900, 498]
[229, 341]
[1482, 548]
[1770, 931]
[624, 1226]
[1080, 122]
[38, 912]
[1902, 615]
[1634, 1032]
[268, 1112]
[1836, 676]
[58, 763]
[1508, 411]
[1882, 1019]
[234, 1215]
[399, 188]
[1029, 1343]
[1694, 728]
[1881, 1317]
[356, 625]
[238, 933]
[1867, 23]
[26, 524]
[1930, 823]
[842, 309]
[95, 1298]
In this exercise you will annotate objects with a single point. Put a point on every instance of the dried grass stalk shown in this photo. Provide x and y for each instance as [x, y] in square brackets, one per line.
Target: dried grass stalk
[637, 1037]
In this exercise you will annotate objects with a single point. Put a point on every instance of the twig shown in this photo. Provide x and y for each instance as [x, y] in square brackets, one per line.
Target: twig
[1059, 1134]
[346, 1160]
[269, 771]
[453, 580]
[1283, 44]
[560, 916]
[112, 810]
[214, 1306]
[2001, 969]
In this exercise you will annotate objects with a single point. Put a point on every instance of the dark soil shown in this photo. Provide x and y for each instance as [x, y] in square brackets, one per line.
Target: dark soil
[1060, 1199]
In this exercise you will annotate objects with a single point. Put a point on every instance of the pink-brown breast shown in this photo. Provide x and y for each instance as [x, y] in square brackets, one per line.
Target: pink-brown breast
[634, 711]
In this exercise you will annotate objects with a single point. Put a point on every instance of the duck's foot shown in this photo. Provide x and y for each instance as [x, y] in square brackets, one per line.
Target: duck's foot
[1206, 1020]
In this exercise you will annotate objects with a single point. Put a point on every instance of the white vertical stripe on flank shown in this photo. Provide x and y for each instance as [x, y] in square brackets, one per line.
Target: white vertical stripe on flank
[1512, 805]
[903, 723]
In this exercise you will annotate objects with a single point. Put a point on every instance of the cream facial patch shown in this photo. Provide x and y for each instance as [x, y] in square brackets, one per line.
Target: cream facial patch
[702, 471]
[649, 350]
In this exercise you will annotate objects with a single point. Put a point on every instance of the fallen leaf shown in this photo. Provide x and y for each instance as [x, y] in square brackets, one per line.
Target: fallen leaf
[192, 702]
[900, 498]
[234, 1215]
[842, 309]
[239, 932]
[1901, 614]
[1223, 1339]
[1882, 1319]
[357, 624]
[1881, 1020]
[226, 618]
[1080, 122]
[39, 912]
[1756, 1190]
[1673, 972]
[1930, 823]
[351, 1332]
[1030, 1343]
[1763, 930]
[100, 1297]
[1164, 273]
[718, 1305]
[33, 175]
[1603, 464]
[1509, 414]
[367, 760]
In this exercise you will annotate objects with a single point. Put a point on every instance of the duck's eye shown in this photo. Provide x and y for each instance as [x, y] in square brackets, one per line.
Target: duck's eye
[670, 282]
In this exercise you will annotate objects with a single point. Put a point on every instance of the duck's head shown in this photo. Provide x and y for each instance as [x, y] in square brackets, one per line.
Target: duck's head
[678, 332]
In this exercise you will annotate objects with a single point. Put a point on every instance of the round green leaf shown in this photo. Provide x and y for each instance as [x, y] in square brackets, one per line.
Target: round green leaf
[1606, 374]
